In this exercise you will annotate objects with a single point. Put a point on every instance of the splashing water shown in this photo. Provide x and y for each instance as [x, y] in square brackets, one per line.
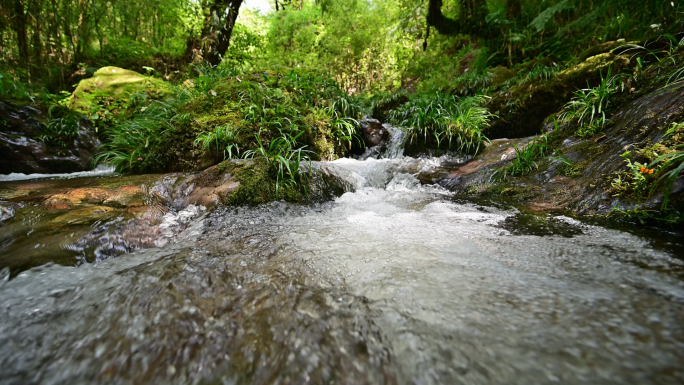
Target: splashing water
[390, 283]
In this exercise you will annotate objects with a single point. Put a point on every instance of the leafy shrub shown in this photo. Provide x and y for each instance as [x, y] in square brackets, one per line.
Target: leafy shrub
[438, 117]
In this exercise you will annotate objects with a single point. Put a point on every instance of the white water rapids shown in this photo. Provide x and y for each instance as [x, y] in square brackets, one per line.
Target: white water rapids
[393, 283]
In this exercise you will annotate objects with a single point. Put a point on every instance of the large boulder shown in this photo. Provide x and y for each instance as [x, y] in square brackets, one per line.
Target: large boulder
[373, 132]
[22, 151]
[110, 89]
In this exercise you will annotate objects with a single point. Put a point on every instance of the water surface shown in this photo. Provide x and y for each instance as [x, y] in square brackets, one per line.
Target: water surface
[394, 283]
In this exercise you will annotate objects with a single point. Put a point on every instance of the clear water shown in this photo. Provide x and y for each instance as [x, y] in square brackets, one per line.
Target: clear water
[392, 283]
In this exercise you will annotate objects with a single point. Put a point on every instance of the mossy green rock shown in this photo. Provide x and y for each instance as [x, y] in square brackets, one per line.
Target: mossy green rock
[499, 75]
[114, 85]
[523, 108]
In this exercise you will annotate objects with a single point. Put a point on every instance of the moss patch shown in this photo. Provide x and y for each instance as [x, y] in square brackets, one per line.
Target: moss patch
[112, 90]
[257, 184]
[569, 170]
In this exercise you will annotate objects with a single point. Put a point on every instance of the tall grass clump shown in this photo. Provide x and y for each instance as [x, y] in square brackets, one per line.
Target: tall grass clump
[445, 119]
[62, 126]
[525, 160]
[208, 76]
[538, 72]
[286, 156]
[224, 138]
[133, 145]
[588, 106]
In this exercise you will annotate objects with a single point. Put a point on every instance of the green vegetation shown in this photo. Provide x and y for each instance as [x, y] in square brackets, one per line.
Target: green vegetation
[275, 116]
[258, 185]
[62, 126]
[185, 84]
[666, 159]
[441, 118]
[588, 107]
[671, 164]
[285, 156]
[223, 137]
[525, 160]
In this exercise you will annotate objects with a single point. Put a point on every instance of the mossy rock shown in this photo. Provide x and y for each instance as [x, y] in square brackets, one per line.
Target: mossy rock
[603, 48]
[523, 108]
[499, 75]
[112, 87]
[257, 184]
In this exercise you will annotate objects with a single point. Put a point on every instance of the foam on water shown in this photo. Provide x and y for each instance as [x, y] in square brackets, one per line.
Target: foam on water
[100, 170]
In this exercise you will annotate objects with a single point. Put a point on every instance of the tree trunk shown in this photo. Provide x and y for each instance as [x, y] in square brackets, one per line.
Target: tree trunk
[513, 8]
[471, 19]
[37, 42]
[219, 28]
[20, 26]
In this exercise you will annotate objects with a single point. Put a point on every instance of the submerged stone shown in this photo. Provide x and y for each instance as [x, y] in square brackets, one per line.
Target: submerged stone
[85, 215]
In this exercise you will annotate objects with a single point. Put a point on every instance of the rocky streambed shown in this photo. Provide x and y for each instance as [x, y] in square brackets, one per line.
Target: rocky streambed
[393, 281]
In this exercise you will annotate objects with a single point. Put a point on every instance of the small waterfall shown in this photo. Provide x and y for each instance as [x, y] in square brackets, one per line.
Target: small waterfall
[390, 148]
[395, 144]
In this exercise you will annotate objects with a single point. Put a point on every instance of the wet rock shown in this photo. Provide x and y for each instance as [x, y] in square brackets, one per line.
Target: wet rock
[76, 197]
[6, 212]
[208, 188]
[373, 132]
[128, 196]
[61, 202]
[461, 177]
[85, 215]
[89, 195]
[22, 152]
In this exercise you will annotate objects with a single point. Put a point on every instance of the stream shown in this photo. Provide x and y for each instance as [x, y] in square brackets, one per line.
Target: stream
[393, 282]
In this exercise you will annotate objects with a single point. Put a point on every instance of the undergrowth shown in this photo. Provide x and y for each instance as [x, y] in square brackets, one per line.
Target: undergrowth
[588, 106]
[661, 165]
[285, 118]
[443, 119]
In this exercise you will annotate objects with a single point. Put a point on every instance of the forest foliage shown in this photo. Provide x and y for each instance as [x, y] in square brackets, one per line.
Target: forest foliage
[291, 84]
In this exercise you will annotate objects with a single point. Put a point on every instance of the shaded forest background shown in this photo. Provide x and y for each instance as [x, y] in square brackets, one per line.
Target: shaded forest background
[366, 46]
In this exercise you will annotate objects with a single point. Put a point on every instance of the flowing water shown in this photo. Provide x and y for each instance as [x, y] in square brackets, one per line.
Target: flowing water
[394, 282]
